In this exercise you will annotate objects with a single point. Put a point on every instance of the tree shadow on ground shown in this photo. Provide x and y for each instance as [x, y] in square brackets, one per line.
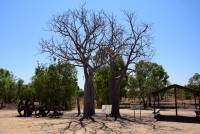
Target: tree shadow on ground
[182, 119]
[69, 123]
[102, 124]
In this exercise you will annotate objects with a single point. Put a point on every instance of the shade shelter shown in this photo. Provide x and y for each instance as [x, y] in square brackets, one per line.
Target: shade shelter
[175, 87]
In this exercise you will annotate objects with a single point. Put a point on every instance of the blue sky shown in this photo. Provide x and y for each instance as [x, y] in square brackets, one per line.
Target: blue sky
[176, 30]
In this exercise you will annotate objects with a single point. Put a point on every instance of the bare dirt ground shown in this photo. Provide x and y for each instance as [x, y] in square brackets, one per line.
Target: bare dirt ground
[167, 123]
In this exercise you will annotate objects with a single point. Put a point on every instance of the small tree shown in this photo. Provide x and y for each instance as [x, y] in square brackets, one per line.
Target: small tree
[132, 88]
[56, 84]
[149, 77]
[23, 91]
[7, 86]
[194, 81]
[101, 83]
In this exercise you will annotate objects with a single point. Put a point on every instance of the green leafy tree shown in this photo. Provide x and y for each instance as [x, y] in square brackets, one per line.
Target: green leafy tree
[194, 81]
[102, 82]
[7, 86]
[39, 82]
[132, 87]
[23, 91]
[149, 77]
[20, 87]
[55, 84]
[13, 89]
[78, 93]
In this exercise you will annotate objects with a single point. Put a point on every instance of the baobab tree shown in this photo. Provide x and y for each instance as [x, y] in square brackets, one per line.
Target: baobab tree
[85, 37]
[133, 42]
[80, 34]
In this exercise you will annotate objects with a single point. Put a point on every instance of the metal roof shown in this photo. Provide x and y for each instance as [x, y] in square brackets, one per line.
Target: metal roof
[175, 86]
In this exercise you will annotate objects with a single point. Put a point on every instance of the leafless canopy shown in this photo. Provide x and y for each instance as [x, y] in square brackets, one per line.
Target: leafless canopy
[80, 34]
[84, 37]
[133, 40]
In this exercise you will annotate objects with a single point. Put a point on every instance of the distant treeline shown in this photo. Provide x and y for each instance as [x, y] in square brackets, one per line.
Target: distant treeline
[56, 84]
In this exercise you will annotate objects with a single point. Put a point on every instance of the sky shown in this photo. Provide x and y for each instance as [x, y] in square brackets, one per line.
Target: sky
[176, 31]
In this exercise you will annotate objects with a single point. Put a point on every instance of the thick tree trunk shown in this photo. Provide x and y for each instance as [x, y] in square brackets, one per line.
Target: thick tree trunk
[114, 93]
[112, 90]
[92, 108]
[115, 101]
[88, 110]
[87, 99]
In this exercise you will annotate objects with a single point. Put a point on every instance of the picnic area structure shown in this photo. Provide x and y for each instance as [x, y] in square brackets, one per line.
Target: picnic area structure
[175, 87]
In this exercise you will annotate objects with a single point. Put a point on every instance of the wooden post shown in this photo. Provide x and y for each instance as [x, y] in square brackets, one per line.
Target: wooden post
[158, 101]
[154, 103]
[175, 101]
[195, 101]
[78, 105]
[199, 101]
[140, 113]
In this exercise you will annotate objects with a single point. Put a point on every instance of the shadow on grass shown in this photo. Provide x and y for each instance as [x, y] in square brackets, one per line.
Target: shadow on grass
[182, 119]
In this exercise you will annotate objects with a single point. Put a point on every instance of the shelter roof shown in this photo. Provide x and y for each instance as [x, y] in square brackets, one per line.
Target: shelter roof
[176, 86]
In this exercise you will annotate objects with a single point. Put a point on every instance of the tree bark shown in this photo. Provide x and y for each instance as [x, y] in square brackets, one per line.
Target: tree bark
[114, 92]
[88, 95]
[92, 108]
[115, 100]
